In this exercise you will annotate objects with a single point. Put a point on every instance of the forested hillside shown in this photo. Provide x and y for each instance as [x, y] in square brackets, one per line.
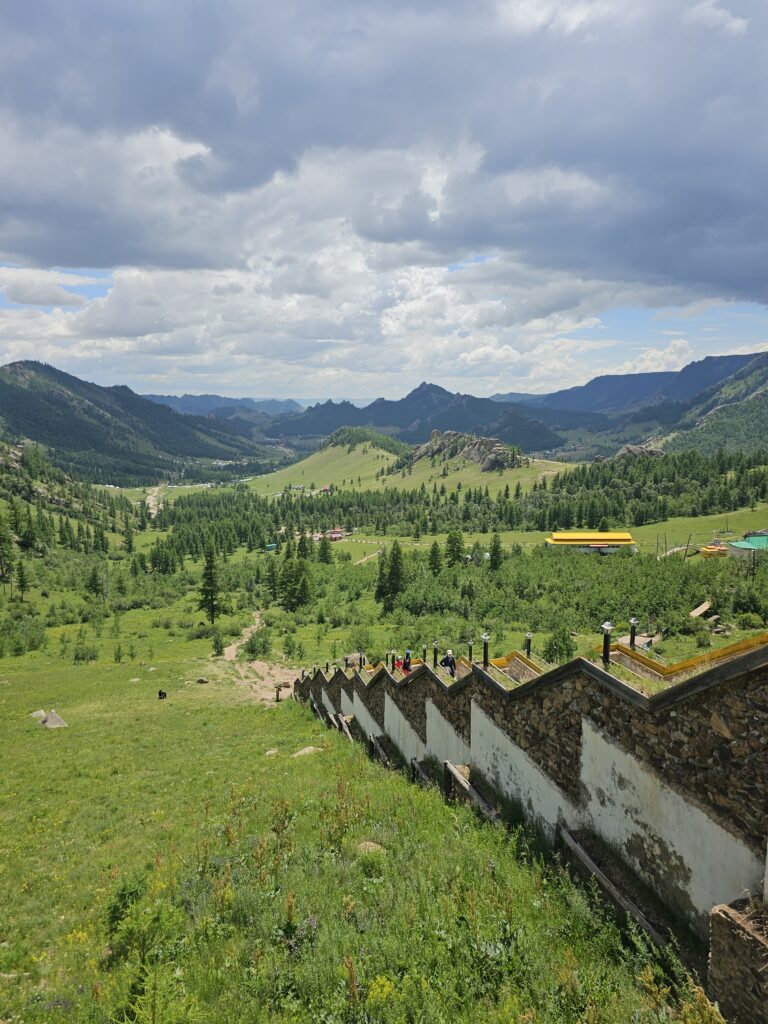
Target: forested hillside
[111, 435]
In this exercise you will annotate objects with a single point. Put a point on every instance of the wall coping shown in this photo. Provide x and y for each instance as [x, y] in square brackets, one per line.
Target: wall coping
[674, 694]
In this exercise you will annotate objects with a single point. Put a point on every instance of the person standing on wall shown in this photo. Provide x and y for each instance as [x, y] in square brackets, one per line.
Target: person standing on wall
[449, 663]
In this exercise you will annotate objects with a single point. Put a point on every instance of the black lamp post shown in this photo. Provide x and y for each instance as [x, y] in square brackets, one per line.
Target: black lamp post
[486, 659]
[607, 628]
[424, 654]
[528, 638]
[632, 631]
[469, 644]
[434, 654]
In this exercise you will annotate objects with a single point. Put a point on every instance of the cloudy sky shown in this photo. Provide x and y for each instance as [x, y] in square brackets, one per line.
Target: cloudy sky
[346, 198]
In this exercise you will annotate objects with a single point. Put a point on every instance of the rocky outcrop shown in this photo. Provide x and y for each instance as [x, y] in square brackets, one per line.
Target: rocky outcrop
[488, 452]
[634, 451]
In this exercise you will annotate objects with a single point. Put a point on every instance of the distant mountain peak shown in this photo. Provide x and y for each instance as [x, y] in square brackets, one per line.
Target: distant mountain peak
[425, 388]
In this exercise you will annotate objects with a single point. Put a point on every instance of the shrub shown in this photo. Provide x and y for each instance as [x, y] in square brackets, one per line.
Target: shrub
[259, 643]
[560, 647]
[84, 652]
[749, 620]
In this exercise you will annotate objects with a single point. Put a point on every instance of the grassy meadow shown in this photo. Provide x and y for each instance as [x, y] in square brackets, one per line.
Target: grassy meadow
[172, 861]
[357, 469]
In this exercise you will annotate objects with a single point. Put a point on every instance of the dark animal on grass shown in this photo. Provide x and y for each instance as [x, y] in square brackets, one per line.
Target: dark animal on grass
[161, 694]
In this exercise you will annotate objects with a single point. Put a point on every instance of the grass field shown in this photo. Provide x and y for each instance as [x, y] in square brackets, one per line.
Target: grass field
[358, 469]
[156, 864]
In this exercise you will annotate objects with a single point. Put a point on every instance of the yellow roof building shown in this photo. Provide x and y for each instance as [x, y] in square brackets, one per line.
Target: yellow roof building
[595, 539]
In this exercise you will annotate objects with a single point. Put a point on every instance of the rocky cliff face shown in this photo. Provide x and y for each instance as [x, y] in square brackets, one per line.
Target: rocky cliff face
[488, 452]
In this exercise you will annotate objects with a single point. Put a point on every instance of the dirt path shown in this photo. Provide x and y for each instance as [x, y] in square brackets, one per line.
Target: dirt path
[260, 677]
[154, 501]
[362, 561]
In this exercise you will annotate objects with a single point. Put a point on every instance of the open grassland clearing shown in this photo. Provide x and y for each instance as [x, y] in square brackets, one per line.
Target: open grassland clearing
[358, 469]
[173, 861]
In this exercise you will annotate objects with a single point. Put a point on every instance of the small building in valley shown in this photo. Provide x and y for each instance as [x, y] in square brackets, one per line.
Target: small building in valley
[601, 542]
[752, 543]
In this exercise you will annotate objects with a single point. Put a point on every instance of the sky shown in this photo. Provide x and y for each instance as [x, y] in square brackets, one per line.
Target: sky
[344, 199]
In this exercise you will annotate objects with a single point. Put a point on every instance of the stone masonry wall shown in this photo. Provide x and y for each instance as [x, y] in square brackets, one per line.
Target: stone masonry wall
[738, 965]
[710, 745]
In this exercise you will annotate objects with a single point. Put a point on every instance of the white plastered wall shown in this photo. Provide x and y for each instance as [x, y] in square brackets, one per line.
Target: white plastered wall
[443, 742]
[518, 777]
[327, 703]
[347, 704]
[402, 734]
[628, 804]
[365, 719]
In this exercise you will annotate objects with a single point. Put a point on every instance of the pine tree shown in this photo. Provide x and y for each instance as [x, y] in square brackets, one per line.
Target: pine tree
[497, 555]
[210, 587]
[382, 580]
[22, 582]
[395, 579]
[6, 550]
[454, 547]
[324, 551]
[435, 559]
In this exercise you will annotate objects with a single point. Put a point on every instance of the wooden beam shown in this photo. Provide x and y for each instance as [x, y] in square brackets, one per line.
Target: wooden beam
[376, 750]
[344, 728]
[618, 897]
[454, 778]
[418, 774]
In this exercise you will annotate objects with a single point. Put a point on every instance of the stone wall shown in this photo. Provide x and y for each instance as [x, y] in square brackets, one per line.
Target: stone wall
[676, 782]
[738, 965]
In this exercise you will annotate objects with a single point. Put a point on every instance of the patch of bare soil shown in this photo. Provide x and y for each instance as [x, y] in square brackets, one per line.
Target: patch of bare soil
[362, 561]
[154, 501]
[260, 678]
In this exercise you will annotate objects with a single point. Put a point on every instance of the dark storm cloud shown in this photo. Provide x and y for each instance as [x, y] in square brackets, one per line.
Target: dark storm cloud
[331, 158]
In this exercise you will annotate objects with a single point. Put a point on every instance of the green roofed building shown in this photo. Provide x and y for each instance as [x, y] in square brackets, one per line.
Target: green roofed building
[744, 548]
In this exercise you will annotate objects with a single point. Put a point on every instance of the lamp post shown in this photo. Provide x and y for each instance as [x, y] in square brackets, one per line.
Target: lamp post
[424, 654]
[633, 631]
[528, 638]
[486, 659]
[393, 658]
[362, 659]
[607, 628]
[469, 645]
[434, 654]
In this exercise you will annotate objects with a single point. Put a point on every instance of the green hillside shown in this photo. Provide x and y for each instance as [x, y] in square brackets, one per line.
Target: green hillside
[742, 426]
[111, 435]
[359, 467]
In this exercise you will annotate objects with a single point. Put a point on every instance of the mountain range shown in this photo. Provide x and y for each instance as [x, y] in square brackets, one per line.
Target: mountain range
[620, 392]
[204, 405]
[111, 434]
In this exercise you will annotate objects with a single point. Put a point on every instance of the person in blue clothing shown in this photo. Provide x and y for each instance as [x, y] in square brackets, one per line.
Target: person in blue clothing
[407, 662]
[449, 663]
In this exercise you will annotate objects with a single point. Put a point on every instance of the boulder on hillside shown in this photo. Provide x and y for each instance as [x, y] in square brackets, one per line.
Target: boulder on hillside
[53, 721]
[634, 451]
[488, 452]
[38, 714]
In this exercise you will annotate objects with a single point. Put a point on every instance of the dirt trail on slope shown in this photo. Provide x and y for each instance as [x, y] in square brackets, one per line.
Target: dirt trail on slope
[362, 561]
[259, 677]
[154, 501]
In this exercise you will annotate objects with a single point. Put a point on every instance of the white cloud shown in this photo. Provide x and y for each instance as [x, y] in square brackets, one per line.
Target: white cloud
[566, 16]
[710, 15]
[280, 194]
[43, 287]
[654, 360]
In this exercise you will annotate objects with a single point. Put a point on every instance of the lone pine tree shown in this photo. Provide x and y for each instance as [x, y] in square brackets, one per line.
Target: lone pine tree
[210, 586]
